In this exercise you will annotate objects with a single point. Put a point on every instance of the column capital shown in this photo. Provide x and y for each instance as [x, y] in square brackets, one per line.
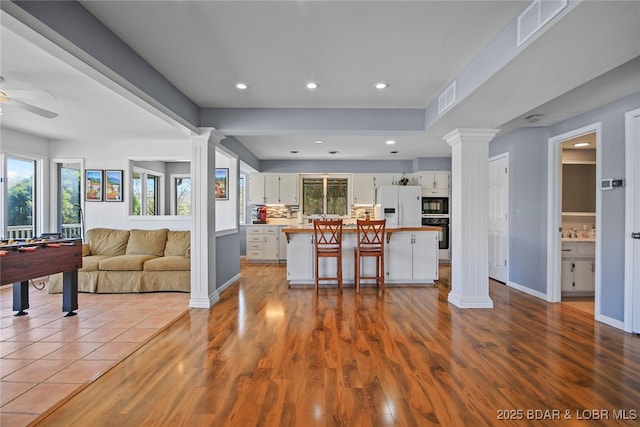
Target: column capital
[209, 134]
[457, 136]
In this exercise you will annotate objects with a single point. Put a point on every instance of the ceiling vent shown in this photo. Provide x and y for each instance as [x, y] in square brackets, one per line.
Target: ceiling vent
[536, 16]
[447, 98]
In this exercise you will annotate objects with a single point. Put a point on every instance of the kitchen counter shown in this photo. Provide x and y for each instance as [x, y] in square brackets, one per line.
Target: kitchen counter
[349, 229]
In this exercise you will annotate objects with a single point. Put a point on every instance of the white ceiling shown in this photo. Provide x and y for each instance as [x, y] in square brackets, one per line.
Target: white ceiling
[417, 47]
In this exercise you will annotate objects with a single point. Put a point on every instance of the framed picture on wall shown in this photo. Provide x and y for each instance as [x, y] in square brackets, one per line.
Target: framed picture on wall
[222, 183]
[93, 185]
[113, 186]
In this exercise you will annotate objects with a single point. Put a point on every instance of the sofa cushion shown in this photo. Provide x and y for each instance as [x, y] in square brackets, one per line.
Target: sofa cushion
[92, 262]
[107, 241]
[147, 242]
[168, 263]
[125, 262]
[177, 243]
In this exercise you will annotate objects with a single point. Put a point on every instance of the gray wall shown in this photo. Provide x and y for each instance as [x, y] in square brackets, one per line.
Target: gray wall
[527, 150]
[227, 258]
[528, 153]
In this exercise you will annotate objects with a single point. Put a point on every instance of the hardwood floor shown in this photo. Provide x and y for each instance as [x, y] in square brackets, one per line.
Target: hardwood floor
[267, 355]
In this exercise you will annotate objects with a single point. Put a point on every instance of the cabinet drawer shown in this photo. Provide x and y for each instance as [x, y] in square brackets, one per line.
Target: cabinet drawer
[255, 254]
[271, 230]
[255, 238]
[578, 250]
[255, 230]
[251, 246]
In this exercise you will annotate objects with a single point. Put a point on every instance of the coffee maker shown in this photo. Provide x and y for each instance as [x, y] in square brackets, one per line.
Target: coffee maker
[261, 215]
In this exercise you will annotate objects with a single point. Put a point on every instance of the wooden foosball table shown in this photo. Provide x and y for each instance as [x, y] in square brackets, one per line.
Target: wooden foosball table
[23, 260]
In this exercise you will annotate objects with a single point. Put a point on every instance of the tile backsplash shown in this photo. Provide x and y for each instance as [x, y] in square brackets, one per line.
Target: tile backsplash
[281, 212]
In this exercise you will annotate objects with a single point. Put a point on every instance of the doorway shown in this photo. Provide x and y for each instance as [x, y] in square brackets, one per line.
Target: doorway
[573, 225]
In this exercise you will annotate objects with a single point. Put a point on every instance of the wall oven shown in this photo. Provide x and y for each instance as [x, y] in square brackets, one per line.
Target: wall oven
[443, 232]
[435, 206]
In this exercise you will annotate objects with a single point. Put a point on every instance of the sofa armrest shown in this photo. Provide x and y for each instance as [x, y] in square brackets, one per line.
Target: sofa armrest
[86, 251]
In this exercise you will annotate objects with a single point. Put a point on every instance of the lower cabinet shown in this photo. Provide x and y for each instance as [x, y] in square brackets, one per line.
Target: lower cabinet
[578, 268]
[412, 257]
[263, 243]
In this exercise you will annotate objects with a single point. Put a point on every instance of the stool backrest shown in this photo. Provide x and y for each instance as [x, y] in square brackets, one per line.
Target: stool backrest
[327, 235]
[371, 235]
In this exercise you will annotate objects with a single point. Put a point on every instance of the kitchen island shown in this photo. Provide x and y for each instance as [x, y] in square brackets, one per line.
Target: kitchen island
[411, 256]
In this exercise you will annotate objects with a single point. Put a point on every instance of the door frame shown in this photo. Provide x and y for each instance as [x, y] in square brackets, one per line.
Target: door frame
[631, 290]
[491, 159]
[554, 213]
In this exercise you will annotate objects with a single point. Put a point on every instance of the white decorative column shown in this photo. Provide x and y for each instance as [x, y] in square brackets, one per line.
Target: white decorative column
[470, 217]
[203, 219]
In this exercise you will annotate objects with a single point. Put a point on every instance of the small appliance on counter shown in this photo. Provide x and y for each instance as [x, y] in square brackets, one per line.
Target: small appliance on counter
[261, 215]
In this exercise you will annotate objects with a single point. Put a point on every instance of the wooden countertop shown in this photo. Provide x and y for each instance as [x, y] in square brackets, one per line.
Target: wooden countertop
[351, 229]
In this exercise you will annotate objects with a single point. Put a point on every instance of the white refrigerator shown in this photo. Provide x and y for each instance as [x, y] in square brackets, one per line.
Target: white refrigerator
[400, 205]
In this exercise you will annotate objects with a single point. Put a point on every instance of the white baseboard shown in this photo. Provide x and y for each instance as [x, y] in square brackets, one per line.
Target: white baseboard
[610, 321]
[526, 290]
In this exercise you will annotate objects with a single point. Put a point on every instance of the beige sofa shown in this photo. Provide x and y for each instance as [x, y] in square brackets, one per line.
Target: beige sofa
[121, 261]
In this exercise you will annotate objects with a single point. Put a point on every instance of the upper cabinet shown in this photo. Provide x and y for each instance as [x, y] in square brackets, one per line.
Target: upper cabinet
[435, 183]
[277, 189]
[363, 189]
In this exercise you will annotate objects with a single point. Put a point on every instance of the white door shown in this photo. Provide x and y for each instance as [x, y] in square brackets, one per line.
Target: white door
[632, 257]
[498, 218]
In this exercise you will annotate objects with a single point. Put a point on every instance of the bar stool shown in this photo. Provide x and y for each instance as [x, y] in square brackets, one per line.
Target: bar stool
[328, 244]
[370, 243]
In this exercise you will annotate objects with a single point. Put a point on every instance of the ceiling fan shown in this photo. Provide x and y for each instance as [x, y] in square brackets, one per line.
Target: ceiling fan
[14, 97]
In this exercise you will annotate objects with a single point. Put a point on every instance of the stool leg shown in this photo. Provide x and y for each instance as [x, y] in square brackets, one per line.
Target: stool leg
[340, 273]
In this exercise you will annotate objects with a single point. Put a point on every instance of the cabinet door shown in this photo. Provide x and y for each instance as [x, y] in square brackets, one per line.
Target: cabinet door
[282, 245]
[399, 257]
[427, 180]
[567, 275]
[441, 180]
[300, 263]
[364, 189]
[256, 189]
[289, 189]
[584, 274]
[385, 179]
[425, 256]
[271, 247]
[272, 189]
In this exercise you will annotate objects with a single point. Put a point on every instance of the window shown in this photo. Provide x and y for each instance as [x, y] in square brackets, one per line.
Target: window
[325, 195]
[70, 212]
[181, 195]
[20, 198]
[146, 195]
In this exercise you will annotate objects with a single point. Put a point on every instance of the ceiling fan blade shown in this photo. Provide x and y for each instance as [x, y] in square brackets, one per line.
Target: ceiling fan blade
[33, 109]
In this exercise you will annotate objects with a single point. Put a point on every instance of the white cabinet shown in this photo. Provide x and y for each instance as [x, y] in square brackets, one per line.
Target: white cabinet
[435, 183]
[263, 243]
[273, 189]
[289, 189]
[363, 189]
[412, 257]
[578, 268]
[300, 262]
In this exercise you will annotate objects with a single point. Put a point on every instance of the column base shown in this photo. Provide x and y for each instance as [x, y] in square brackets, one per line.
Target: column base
[469, 301]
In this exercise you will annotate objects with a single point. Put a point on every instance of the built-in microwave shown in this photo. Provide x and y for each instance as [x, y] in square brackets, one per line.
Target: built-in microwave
[435, 206]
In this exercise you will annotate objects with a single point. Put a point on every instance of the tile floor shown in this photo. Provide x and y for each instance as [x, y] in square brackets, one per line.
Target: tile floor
[45, 357]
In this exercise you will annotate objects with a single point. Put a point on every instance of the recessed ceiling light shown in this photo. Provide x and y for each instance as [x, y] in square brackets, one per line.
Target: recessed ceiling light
[381, 85]
[390, 142]
[333, 152]
[294, 151]
[312, 85]
[581, 144]
[241, 86]
[318, 141]
[394, 152]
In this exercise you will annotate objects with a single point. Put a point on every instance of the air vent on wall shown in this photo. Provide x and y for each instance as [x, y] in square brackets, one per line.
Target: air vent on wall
[447, 98]
[536, 16]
